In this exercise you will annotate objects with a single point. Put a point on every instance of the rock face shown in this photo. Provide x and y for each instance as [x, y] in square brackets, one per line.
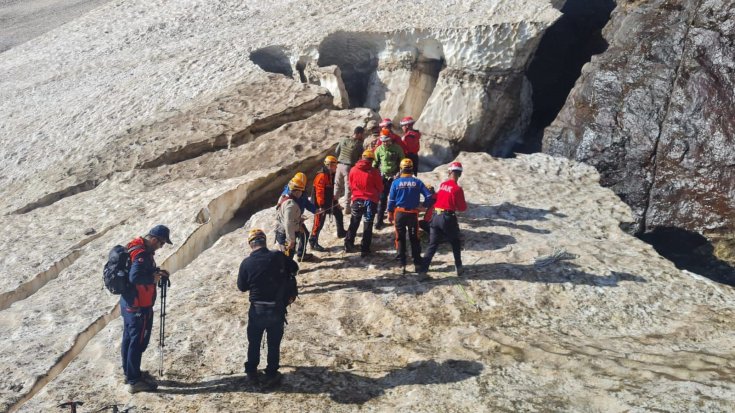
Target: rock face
[655, 115]
[607, 325]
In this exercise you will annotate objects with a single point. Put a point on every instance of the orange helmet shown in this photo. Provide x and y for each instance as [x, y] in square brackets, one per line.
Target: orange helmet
[298, 182]
[368, 154]
[406, 164]
[256, 234]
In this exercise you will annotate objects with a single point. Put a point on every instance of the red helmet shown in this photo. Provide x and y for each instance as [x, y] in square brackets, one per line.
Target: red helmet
[455, 166]
[407, 121]
[386, 122]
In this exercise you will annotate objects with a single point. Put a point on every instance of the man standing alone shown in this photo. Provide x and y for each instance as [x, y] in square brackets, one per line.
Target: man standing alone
[348, 153]
[264, 273]
[136, 306]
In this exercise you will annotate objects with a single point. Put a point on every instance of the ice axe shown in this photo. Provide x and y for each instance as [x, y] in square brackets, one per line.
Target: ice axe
[163, 283]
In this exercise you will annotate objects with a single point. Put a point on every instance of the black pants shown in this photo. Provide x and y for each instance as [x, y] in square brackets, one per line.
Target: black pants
[361, 210]
[415, 158]
[387, 182]
[321, 218]
[444, 226]
[408, 222]
[269, 320]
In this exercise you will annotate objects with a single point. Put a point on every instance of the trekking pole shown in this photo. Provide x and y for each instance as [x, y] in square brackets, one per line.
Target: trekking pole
[163, 283]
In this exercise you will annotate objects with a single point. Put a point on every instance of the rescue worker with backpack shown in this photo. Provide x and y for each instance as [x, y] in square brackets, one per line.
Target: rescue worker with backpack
[403, 203]
[136, 302]
[411, 142]
[269, 276]
[288, 217]
[304, 204]
[325, 202]
[425, 221]
[388, 158]
[444, 224]
[366, 185]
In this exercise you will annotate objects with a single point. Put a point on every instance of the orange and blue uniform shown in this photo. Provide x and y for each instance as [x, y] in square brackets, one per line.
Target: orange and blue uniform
[324, 199]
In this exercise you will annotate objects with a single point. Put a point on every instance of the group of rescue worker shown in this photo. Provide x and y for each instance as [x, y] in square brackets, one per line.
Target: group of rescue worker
[377, 178]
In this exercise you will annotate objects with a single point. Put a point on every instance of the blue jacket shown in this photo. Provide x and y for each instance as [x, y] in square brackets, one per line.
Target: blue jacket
[302, 202]
[405, 192]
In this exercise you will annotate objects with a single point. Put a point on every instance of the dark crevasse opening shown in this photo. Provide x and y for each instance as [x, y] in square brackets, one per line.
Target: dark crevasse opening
[356, 55]
[272, 59]
[565, 47]
[690, 251]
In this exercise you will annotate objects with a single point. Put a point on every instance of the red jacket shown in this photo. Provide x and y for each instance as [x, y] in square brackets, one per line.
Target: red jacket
[365, 181]
[411, 142]
[450, 197]
[142, 268]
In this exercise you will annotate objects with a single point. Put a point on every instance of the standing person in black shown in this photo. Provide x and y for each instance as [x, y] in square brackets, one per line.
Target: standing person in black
[264, 273]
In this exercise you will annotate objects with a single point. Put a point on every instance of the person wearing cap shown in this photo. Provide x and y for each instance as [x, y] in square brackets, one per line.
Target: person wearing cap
[366, 185]
[348, 153]
[403, 204]
[263, 273]
[373, 141]
[288, 218]
[444, 224]
[411, 142]
[388, 158]
[136, 306]
[387, 129]
[304, 204]
[325, 202]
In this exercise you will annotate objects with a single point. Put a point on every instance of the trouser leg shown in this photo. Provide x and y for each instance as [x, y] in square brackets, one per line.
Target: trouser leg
[274, 330]
[358, 210]
[452, 233]
[255, 336]
[435, 238]
[400, 234]
[317, 227]
[412, 226]
[339, 220]
[367, 228]
[384, 199]
[301, 241]
[138, 326]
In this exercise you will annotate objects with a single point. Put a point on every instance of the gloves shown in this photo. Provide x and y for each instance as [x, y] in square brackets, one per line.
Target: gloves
[390, 216]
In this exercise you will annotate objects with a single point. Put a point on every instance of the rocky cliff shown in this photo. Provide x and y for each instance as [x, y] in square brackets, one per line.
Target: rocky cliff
[655, 115]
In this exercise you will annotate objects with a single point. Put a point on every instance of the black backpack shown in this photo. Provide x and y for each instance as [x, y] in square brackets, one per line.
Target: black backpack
[288, 290]
[115, 273]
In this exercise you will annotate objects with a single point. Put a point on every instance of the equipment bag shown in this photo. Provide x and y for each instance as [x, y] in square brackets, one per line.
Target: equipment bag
[115, 273]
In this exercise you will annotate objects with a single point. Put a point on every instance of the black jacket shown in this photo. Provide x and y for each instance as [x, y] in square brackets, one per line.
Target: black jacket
[263, 272]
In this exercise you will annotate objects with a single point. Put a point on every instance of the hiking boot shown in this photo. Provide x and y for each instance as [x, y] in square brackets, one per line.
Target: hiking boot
[364, 254]
[349, 247]
[253, 378]
[316, 247]
[341, 233]
[306, 257]
[460, 271]
[379, 225]
[272, 379]
[141, 386]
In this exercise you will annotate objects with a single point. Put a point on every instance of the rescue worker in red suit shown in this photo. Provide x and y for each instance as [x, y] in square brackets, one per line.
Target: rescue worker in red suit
[136, 306]
[324, 199]
[367, 186]
[411, 142]
[444, 224]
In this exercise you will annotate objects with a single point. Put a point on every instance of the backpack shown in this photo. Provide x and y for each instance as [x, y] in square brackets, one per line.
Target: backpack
[288, 290]
[115, 273]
